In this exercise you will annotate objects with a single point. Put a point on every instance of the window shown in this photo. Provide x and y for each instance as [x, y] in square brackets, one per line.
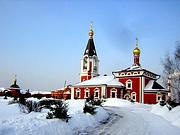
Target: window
[158, 97]
[85, 63]
[133, 96]
[129, 84]
[95, 64]
[113, 93]
[87, 93]
[96, 93]
[78, 93]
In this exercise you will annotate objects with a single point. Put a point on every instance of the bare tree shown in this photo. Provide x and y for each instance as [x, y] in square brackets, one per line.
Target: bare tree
[171, 67]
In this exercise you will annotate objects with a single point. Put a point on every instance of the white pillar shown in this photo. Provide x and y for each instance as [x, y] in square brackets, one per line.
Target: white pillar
[72, 92]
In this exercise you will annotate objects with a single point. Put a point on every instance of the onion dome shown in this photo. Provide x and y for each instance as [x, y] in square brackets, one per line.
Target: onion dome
[15, 84]
[136, 51]
[90, 48]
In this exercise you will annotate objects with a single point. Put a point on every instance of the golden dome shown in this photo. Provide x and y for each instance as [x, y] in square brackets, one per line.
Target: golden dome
[136, 51]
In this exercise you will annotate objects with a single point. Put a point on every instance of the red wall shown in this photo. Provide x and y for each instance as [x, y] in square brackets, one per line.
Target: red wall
[135, 86]
[150, 98]
[84, 78]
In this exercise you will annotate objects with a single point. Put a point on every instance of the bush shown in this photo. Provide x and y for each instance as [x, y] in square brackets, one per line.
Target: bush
[98, 102]
[89, 107]
[58, 110]
[29, 106]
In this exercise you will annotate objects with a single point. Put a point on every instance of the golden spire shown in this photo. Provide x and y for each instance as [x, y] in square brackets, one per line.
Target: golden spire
[136, 51]
[91, 33]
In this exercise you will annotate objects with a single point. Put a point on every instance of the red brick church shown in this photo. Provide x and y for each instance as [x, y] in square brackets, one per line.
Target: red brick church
[134, 83]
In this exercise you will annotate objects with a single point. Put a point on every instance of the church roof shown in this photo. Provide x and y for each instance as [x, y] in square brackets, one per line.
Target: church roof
[101, 80]
[153, 86]
[14, 85]
[90, 49]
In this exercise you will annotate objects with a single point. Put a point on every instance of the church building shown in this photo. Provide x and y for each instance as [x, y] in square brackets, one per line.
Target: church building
[134, 83]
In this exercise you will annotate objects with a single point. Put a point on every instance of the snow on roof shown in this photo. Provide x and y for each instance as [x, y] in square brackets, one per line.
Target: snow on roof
[2, 89]
[154, 86]
[100, 80]
[134, 68]
[40, 92]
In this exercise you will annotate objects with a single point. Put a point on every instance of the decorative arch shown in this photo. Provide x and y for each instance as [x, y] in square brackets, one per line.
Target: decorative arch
[127, 96]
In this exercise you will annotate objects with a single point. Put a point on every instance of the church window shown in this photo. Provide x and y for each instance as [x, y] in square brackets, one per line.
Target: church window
[96, 93]
[87, 93]
[85, 63]
[133, 96]
[129, 84]
[113, 93]
[78, 93]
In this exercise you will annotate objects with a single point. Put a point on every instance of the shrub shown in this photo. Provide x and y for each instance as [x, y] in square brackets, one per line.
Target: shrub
[58, 110]
[29, 106]
[89, 107]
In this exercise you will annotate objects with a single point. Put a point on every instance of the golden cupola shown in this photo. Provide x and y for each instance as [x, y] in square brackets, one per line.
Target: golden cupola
[136, 51]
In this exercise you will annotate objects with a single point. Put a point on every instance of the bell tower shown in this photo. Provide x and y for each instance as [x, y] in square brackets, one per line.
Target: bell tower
[89, 62]
[136, 53]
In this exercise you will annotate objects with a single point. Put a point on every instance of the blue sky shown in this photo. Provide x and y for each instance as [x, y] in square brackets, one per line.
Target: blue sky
[42, 41]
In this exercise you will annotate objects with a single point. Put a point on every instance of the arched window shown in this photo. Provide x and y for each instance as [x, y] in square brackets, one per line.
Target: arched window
[85, 63]
[86, 93]
[128, 84]
[113, 93]
[78, 93]
[133, 96]
[95, 64]
[96, 93]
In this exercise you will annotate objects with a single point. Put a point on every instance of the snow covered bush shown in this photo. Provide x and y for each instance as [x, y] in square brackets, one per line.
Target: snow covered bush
[59, 110]
[89, 107]
[30, 106]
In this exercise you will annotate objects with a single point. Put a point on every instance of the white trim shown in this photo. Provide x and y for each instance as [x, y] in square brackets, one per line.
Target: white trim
[72, 93]
[113, 90]
[103, 91]
[142, 90]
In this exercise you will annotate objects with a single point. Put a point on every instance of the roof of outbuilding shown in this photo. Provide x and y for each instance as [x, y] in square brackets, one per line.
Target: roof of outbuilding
[154, 86]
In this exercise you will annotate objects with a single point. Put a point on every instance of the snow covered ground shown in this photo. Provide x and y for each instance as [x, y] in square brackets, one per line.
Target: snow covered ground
[126, 119]
[14, 122]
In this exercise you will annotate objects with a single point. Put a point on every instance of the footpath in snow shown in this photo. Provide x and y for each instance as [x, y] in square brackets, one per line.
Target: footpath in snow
[137, 119]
